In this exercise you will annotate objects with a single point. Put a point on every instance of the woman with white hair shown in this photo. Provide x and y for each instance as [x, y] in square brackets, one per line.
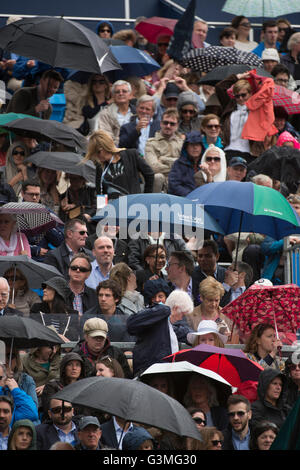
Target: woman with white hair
[292, 59]
[12, 242]
[159, 329]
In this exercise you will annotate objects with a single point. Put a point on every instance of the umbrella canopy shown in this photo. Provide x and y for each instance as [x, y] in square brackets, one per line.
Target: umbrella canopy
[280, 163]
[288, 99]
[35, 272]
[219, 73]
[32, 218]
[59, 43]
[26, 333]
[48, 130]
[231, 364]
[206, 59]
[261, 8]
[6, 118]
[181, 372]
[158, 211]
[248, 207]
[278, 305]
[152, 28]
[131, 400]
[64, 161]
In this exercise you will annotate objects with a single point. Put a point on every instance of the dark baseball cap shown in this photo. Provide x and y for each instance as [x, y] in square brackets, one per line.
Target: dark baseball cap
[238, 161]
[87, 420]
[171, 90]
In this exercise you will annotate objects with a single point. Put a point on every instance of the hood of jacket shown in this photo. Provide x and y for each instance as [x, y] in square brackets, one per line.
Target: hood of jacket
[264, 380]
[28, 424]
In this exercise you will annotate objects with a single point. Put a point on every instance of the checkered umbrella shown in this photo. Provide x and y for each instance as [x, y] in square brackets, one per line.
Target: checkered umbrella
[32, 218]
[288, 99]
[205, 60]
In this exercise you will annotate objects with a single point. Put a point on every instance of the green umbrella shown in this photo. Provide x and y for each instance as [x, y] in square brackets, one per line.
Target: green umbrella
[5, 118]
[261, 8]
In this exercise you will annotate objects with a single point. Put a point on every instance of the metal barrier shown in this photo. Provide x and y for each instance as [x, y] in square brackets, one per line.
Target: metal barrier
[291, 264]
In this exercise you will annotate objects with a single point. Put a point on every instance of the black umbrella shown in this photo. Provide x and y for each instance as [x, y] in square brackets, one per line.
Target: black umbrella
[206, 59]
[131, 400]
[219, 73]
[48, 130]
[280, 163]
[181, 41]
[64, 161]
[23, 333]
[58, 42]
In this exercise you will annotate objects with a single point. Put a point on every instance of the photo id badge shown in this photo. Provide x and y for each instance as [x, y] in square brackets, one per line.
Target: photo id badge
[102, 201]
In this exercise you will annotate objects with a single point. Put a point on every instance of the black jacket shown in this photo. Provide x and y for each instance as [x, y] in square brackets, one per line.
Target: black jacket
[89, 298]
[129, 136]
[120, 247]
[46, 435]
[59, 258]
[198, 276]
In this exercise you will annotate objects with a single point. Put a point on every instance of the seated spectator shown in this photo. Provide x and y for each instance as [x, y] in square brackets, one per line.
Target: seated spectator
[137, 249]
[89, 433]
[238, 434]
[119, 112]
[294, 200]
[48, 180]
[80, 297]
[180, 268]
[156, 291]
[35, 100]
[281, 75]
[104, 29]
[96, 344]
[287, 140]
[207, 333]
[75, 234]
[212, 439]
[113, 432]
[97, 98]
[236, 169]
[103, 252]
[291, 59]
[228, 37]
[282, 124]
[78, 200]
[158, 330]
[16, 170]
[213, 166]
[4, 145]
[12, 242]
[164, 148]
[161, 55]
[118, 171]
[270, 58]
[22, 436]
[4, 299]
[138, 439]
[292, 372]
[262, 347]
[263, 435]
[181, 179]
[202, 393]
[55, 294]
[141, 126]
[71, 369]
[20, 296]
[128, 36]
[198, 416]
[109, 367]
[131, 300]
[61, 426]
[243, 26]
[270, 36]
[200, 30]
[154, 259]
[120, 245]
[270, 404]
[188, 109]
[211, 130]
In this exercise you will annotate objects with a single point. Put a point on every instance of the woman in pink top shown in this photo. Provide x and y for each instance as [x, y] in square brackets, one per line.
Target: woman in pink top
[12, 242]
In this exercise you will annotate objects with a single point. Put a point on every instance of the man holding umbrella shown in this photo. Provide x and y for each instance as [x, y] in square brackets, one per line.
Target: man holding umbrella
[35, 100]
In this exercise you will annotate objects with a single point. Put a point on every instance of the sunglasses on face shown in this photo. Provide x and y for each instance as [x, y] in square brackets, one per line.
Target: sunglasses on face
[200, 421]
[215, 442]
[246, 24]
[82, 269]
[282, 29]
[19, 152]
[105, 30]
[213, 159]
[58, 409]
[169, 123]
[81, 232]
[294, 366]
[213, 126]
[163, 44]
[188, 111]
[241, 95]
[240, 414]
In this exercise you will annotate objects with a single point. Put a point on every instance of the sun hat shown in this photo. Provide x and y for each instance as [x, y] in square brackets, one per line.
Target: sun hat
[205, 327]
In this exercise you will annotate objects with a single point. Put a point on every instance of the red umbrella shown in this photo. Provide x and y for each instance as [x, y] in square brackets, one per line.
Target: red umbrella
[288, 99]
[231, 364]
[278, 305]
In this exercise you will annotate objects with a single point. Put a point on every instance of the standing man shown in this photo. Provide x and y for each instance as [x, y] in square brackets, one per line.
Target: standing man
[35, 100]
[119, 112]
[82, 297]
[270, 32]
[103, 252]
[237, 435]
[135, 134]
[200, 31]
[164, 148]
[75, 235]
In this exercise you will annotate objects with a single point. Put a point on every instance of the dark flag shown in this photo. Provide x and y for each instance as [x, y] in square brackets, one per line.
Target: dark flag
[181, 41]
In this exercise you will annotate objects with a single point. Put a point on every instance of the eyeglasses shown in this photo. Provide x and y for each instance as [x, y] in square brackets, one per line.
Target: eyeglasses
[281, 80]
[82, 269]
[162, 44]
[241, 95]
[215, 442]
[211, 126]
[19, 152]
[33, 194]
[294, 366]
[240, 414]
[200, 421]
[81, 232]
[101, 82]
[105, 30]
[171, 264]
[119, 92]
[188, 111]
[58, 409]
[213, 159]
[169, 123]
[4, 295]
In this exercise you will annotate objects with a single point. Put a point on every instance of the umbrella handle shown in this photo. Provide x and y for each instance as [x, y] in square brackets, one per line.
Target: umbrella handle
[21, 239]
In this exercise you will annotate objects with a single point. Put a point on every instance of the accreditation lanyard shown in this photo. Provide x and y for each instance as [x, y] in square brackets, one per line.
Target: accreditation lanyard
[103, 174]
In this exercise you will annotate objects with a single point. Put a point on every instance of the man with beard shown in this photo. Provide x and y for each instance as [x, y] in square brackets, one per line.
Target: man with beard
[6, 410]
[61, 426]
[237, 435]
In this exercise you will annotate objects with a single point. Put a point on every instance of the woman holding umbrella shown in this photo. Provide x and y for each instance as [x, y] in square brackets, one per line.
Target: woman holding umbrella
[12, 242]
[262, 347]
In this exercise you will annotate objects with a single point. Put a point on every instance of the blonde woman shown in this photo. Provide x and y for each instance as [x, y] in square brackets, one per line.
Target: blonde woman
[117, 169]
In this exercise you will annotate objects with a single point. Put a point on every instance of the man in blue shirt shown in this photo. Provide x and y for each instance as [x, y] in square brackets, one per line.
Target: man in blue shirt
[104, 252]
[237, 435]
[270, 34]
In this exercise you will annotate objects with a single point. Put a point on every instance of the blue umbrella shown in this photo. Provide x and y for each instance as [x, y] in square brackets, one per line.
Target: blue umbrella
[133, 61]
[248, 207]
